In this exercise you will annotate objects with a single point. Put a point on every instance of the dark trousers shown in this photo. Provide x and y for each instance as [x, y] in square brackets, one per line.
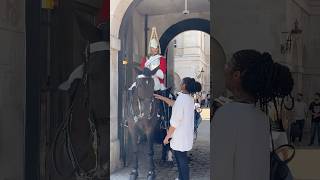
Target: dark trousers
[301, 126]
[183, 164]
[315, 127]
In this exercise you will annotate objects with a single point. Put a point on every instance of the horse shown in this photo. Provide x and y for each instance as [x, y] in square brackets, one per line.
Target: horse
[163, 125]
[80, 147]
[147, 114]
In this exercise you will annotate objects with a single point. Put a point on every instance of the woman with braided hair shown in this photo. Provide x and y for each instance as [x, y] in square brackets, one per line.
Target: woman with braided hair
[181, 131]
[240, 129]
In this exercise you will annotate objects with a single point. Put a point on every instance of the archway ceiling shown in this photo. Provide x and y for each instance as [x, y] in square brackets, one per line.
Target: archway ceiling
[314, 7]
[159, 7]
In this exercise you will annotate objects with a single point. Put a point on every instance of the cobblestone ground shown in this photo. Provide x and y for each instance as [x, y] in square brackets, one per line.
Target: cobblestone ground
[199, 160]
[304, 165]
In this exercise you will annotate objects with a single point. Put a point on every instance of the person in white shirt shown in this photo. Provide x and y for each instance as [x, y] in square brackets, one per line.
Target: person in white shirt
[182, 124]
[300, 113]
[240, 129]
[197, 104]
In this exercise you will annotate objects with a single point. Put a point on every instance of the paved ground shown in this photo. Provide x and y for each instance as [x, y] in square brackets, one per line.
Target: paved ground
[199, 164]
[305, 165]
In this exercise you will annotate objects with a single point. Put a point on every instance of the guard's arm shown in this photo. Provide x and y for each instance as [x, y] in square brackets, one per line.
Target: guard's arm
[159, 74]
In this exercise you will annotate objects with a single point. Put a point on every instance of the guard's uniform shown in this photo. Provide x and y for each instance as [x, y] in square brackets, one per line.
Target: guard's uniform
[154, 61]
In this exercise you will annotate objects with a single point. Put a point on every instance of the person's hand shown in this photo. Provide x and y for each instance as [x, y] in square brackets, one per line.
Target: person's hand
[166, 140]
[157, 96]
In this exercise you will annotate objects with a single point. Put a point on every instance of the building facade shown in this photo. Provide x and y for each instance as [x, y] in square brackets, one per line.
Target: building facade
[192, 57]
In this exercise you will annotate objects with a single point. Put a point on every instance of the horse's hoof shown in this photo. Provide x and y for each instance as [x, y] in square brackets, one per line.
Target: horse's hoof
[151, 175]
[100, 174]
[170, 164]
[162, 162]
[133, 175]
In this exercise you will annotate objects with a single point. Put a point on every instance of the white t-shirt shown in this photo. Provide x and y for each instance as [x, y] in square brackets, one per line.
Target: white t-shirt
[300, 109]
[241, 143]
[279, 138]
[182, 119]
[197, 105]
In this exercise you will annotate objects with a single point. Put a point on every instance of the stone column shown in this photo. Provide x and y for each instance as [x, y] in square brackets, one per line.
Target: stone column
[294, 61]
[12, 91]
[117, 11]
[299, 63]
[114, 140]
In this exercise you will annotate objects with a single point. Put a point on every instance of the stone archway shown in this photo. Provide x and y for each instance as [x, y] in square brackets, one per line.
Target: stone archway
[184, 25]
[218, 60]
[118, 11]
[218, 56]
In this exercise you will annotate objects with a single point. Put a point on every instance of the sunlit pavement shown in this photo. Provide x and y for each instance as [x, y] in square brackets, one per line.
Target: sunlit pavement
[306, 163]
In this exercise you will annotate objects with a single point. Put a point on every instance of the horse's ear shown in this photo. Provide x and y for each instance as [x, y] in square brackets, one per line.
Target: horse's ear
[138, 70]
[87, 29]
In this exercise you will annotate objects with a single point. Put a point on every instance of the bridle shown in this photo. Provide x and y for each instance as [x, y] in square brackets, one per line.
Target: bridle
[92, 120]
[164, 119]
[140, 115]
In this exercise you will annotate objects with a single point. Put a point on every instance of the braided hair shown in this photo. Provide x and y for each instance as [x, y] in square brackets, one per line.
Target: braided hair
[263, 78]
[192, 86]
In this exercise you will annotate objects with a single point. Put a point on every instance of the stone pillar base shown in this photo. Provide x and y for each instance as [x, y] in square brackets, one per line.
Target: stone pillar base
[114, 155]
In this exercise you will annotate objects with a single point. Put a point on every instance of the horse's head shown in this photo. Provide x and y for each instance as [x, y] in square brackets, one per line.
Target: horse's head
[145, 83]
[90, 32]
[144, 92]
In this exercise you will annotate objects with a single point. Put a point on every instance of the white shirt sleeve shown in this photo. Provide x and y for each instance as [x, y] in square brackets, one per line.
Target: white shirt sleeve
[197, 105]
[159, 74]
[177, 113]
[224, 145]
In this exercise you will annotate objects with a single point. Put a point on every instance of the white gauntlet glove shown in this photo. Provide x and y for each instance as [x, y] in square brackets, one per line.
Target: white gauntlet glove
[159, 74]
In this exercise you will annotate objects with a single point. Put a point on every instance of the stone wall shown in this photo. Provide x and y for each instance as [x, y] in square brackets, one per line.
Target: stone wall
[258, 25]
[249, 24]
[306, 49]
[311, 64]
[163, 22]
[192, 55]
[12, 91]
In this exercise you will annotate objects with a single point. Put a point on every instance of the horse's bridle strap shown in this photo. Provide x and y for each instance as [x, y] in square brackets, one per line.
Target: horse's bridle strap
[99, 46]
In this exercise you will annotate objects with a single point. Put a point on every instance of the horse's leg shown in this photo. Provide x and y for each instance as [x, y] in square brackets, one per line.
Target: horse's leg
[134, 138]
[165, 150]
[151, 172]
